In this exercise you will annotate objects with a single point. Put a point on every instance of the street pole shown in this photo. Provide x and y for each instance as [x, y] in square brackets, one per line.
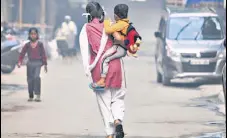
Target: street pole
[20, 13]
[43, 15]
[224, 3]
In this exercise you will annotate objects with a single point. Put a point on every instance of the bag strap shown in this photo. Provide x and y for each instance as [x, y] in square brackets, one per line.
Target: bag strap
[130, 28]
[40, 47]
[29, 49]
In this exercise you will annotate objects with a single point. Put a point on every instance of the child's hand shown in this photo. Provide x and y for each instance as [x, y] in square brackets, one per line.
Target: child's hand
[131, 55]
[134, 48]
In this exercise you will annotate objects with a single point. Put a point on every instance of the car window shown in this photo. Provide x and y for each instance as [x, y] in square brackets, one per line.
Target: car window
[190, 28]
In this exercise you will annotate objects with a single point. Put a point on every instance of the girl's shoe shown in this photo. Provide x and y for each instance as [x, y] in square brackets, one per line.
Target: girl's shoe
[37, 99]
[119, 131]
[30, 99]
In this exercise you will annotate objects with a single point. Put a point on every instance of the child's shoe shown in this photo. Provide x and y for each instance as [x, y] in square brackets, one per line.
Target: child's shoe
[101, 82]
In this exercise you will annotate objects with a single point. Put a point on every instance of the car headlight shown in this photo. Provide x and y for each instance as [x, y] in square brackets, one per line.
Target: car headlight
[171, 53]
[222, 53]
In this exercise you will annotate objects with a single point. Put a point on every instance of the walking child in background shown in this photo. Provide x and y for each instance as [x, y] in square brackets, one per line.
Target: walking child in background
[126, 33]
[36, 59]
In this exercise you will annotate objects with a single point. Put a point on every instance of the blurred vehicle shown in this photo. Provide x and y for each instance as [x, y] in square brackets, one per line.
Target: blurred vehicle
[224, 76]
[62, 45]
[10, 51]
[3, 37]
[189, 45]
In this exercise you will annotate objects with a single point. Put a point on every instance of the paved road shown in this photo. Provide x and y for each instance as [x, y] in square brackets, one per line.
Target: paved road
[69, 108]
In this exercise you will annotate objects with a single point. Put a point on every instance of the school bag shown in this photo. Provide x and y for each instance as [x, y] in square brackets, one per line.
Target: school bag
[130, 38]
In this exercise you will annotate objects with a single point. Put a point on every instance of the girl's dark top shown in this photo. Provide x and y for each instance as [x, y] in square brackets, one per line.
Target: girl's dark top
[37, 53]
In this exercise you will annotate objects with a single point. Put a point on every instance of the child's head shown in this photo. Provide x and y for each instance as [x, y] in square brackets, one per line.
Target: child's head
[95, 10]
[33, 34]
[121, 11]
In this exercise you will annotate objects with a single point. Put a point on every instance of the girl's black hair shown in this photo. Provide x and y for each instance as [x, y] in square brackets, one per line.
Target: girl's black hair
[30, 31]
[95, 10]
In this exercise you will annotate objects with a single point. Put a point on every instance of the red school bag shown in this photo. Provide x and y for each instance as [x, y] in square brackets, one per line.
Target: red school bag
[131, 36]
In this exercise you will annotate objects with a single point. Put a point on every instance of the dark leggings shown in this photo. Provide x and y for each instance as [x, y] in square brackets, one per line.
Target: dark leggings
[33, 78]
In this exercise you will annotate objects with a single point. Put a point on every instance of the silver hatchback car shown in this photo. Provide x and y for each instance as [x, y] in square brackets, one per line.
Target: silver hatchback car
[189, 45]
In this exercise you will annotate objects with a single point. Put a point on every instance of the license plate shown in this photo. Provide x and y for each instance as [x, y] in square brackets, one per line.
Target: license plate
[200, 62]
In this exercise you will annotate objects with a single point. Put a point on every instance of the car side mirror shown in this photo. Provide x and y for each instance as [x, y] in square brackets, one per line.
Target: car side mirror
[158, 34]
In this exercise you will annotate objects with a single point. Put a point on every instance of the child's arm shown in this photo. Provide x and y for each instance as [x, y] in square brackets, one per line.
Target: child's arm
[110, 29]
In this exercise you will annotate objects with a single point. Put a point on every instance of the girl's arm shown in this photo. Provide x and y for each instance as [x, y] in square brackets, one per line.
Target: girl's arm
[22, 54]
[44, 57]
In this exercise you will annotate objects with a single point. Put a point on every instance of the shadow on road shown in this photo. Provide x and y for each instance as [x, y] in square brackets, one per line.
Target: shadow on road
[14, 87]
[210, 103]
[191, 85]
[195, 84]
[14, 108]
[8, 89]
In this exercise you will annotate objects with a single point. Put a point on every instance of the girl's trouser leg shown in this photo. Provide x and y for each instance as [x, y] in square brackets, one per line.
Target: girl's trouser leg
[118, 105]
[111, 105]
[33, 78]
[37, 80]
[30, 80]
[104, 103]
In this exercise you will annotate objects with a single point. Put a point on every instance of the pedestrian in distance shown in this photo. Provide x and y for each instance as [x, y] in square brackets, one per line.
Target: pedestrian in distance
[36, 59]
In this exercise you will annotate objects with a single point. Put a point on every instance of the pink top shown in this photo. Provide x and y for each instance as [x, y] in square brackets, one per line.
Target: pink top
[114, 76]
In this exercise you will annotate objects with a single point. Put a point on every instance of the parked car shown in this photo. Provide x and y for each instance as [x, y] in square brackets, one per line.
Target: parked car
[189, 45]
[224, 75]
[10, 51]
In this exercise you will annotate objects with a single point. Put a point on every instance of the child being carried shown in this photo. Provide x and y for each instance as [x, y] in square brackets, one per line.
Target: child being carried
[126, 33]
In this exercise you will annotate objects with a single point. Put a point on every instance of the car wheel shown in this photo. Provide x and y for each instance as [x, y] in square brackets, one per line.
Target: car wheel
[9, 69]
[158, 75]
[165, 80]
